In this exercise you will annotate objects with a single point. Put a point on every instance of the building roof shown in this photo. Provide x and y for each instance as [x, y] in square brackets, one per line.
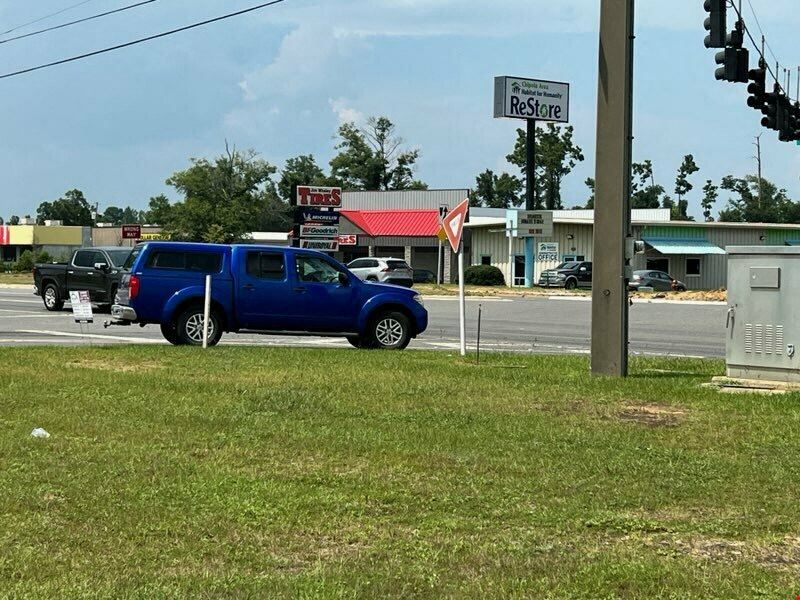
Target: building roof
[405, 223]
[493, 217]
[688, 246]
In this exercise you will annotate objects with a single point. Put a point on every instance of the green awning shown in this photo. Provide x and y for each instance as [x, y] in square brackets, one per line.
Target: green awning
[697, 246]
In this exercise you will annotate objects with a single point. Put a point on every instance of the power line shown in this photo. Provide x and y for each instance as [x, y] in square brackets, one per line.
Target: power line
[142, 40]
[758, 24]
[63, 10]
[63, 25]
[775, 74]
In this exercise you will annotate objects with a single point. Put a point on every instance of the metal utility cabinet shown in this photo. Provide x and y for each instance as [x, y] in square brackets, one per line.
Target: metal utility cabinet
[763, 322]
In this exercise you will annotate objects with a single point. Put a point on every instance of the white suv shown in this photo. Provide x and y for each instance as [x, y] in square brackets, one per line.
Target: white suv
[383, 270]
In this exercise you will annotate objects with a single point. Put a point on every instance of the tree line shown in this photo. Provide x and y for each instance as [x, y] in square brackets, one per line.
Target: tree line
[750, 199]
[238, 192]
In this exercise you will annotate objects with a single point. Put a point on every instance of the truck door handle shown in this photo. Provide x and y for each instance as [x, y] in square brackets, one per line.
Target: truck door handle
[70, 272]
[248, 286]
[300, 290]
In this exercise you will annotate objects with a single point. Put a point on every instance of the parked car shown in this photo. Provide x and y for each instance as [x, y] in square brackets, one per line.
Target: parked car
[424, 276]
[96, 270]
[262, 289]
[383, 270]
[568, 275]
[658, 280]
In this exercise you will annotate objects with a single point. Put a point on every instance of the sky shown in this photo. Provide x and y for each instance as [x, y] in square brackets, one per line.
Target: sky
[281, 81]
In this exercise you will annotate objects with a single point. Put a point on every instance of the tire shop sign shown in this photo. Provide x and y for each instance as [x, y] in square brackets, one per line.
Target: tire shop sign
[330, 197]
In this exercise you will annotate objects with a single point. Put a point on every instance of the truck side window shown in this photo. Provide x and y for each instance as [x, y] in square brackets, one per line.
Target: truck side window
[315, 269]
[84, 258]
[266, 265]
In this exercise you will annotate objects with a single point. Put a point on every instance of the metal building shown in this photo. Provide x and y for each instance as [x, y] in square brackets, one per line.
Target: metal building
[689, 251]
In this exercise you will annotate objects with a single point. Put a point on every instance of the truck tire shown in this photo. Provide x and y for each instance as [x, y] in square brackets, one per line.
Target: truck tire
[189, 327]
[571, 284]
[389, 331]
[170, 334]
[51, 298]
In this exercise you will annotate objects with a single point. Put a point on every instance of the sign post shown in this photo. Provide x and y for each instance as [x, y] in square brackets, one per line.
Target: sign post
[453, 225]
[533, 100]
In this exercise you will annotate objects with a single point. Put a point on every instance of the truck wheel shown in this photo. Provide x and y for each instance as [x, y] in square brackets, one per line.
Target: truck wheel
[571, 284]
[51, 298]
[189, 327]
[390, 331]
[170, 334]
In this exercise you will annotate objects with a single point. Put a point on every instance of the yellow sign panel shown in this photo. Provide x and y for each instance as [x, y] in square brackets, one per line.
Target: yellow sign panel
[442, 235]
[155, 237]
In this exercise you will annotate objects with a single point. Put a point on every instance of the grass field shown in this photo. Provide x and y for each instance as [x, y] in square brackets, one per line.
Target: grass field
[19, 278]
[253, 472]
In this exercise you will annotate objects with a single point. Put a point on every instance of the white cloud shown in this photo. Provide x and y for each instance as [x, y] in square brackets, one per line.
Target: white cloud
[344, 112]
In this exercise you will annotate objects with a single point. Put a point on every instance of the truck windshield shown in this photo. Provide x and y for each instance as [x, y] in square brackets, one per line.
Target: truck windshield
[568, 265]
[118, 257]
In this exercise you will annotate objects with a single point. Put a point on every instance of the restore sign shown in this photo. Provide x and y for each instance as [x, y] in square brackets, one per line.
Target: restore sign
[535, 99]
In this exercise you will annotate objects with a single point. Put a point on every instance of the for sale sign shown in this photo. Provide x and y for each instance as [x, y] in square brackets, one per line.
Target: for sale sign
[81, 307]
[319, 196]
[519, 98]
[323, 245]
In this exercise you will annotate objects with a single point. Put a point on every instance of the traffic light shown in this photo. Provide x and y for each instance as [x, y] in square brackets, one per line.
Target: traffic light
[735, 63]
[758, 88]
[773, 109]
[716, 23]
[794, 122]
[786, 129]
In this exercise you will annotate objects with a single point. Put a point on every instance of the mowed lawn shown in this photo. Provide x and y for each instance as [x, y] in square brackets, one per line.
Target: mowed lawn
[255, 472]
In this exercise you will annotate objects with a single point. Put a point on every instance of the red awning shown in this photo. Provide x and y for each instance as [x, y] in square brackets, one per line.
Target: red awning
[405, 223]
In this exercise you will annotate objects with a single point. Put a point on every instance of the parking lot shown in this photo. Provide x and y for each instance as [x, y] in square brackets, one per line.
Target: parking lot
[542, 324]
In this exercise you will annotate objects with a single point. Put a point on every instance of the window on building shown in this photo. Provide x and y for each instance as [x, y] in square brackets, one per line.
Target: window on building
[693, 267]
[580, 258]
[658, 264]
[486, 259]
[569, 258]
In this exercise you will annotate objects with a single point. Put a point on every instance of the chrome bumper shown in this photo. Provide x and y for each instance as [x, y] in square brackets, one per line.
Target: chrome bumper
[123, 313]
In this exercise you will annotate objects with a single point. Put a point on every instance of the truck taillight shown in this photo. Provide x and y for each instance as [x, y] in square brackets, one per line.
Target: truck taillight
[133, 286]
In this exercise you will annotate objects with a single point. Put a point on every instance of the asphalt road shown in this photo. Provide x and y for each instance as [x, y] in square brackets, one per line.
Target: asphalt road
[547, 325]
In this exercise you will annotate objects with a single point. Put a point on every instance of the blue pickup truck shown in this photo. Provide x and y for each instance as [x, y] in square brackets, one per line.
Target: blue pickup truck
[261, 289]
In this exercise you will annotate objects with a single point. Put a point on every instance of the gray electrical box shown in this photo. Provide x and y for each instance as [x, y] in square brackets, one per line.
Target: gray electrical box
[763, 323]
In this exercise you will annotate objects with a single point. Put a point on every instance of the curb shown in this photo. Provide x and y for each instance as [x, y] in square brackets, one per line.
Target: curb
[16, 286]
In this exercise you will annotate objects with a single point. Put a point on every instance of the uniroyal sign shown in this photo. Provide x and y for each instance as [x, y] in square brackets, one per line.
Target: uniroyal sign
[319, 231]
[323, 245]
[518, 98]
[319, 196]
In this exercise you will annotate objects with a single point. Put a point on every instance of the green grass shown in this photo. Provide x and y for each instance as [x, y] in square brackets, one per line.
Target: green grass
[18, 278]
[253, 472]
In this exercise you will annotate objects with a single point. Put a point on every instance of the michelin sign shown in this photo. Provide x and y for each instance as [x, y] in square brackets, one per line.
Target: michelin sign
[518, 98]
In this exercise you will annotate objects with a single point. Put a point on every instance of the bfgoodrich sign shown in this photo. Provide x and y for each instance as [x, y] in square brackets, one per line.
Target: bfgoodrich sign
[519, 98]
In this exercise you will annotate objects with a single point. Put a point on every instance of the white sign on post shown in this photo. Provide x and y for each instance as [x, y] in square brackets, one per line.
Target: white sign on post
[81, 307]
[518, 98]
[535, 223]
[548, 252]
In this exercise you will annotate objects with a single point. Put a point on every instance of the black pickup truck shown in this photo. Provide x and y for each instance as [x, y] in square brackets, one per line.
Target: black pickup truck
[569, 275]
[96, 270]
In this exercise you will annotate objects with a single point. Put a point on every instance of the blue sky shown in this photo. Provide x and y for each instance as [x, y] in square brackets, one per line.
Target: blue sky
[281, 81]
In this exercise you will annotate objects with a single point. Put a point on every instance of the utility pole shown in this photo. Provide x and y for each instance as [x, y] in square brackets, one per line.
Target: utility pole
[758, 159]
[612, 196]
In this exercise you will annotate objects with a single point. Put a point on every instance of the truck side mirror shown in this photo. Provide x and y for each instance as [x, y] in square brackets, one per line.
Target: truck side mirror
[343, 278]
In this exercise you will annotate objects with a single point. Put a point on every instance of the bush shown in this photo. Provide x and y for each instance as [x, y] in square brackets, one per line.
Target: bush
[484, 275]
[25, 262]
[43, 257]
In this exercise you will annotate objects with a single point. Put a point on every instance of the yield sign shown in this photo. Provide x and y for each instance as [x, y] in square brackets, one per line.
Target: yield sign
[453, 224]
